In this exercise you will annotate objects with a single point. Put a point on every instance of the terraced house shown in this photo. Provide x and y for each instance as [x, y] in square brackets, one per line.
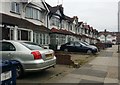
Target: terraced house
[39, 22]
[25, 21]
[65, 28]
[109, 37]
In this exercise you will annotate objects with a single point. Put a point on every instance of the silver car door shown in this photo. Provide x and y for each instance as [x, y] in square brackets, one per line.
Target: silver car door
[7, 50]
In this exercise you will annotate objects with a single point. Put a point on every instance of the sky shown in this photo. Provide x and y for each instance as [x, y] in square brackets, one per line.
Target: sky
[100, 14]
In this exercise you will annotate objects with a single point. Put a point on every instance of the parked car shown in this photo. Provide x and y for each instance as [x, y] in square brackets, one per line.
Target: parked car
[8, 73]
[87, 44]
[75, 46]
[31, 56]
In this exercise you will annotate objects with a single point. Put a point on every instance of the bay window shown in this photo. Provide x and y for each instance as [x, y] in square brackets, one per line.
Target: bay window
[55, 21]
[24, 35]
[41, 38]
[33, 13]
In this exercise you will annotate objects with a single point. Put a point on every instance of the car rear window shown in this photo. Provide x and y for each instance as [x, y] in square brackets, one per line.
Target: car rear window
[32, 46]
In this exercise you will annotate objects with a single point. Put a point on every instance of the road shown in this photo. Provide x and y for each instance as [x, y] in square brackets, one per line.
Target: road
[46, 76]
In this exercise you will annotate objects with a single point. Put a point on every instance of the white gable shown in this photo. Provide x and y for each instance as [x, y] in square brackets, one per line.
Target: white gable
[109, 36]
[74, 22]
[58, 12]
[102, 37]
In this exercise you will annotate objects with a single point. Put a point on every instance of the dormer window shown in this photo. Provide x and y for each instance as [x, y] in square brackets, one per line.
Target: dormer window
[15, 7]
[55, 21]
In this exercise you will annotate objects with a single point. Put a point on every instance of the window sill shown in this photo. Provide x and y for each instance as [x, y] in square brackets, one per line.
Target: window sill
[34, 19]
[15, 12]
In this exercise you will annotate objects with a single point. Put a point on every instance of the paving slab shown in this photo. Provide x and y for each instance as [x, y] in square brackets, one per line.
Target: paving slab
[113, 61]
[103, 61]
[90, 72]
[100, 67]
[68, 79]
[111, 84]
[106, 54]
[92, 78]
[89, 81]
[110, 80]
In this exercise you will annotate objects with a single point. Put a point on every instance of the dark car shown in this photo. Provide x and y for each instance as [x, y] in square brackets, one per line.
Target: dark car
[87, 44]
[78, 47]
[8, 72]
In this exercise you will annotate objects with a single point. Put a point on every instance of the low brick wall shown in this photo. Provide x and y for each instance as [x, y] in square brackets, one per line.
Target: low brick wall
[100, 46]
[63, 59]
[103, 45]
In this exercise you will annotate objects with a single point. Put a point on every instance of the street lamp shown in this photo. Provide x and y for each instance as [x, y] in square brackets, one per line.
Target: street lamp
[118, 25]
[105, 36]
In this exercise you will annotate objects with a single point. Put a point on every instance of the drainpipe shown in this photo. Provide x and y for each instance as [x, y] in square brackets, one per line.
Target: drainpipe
[118, 32]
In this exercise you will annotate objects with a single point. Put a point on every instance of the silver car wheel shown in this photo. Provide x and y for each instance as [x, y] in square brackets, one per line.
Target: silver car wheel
[19, 71]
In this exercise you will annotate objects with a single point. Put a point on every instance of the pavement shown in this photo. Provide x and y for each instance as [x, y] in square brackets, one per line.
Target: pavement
[101, 70]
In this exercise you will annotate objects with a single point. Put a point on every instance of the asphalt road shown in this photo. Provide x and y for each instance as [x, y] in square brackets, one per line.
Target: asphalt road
[46, 76]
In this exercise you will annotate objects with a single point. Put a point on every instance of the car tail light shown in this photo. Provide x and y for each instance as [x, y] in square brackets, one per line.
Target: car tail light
[36, 55]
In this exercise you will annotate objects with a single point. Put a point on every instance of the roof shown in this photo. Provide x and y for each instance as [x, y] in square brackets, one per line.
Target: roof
[61, 31]
[107, 33]
[48, 5]
[117, 34]
[54, 9]
[86, 27]
[91, 28]
[22, 23]
[69, 19]
[80, 23]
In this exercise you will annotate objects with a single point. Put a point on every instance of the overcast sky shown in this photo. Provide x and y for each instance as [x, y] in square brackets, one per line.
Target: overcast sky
[101, 14]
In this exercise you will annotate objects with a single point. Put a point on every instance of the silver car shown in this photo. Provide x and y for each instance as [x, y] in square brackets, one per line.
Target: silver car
[31, 56]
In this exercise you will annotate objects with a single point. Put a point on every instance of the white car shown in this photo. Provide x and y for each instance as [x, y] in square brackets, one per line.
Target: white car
[31, 56]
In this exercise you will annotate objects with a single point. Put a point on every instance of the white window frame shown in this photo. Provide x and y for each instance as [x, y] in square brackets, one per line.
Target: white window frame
[29, 32]
[42, 38]
[14, 6]
[34, 13]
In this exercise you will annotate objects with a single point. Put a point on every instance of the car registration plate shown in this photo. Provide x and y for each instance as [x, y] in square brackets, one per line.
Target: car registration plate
[6, 75]
[48, 56]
